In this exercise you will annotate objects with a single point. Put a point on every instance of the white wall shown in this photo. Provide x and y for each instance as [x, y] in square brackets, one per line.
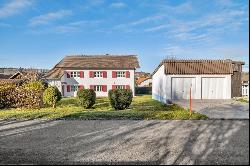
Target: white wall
[57, 83]
[145, 83]
[245, 89]
[161, 85]
[109, 81]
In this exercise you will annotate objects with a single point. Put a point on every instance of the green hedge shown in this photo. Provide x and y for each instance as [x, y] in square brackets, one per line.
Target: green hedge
[6, 96]
[51, 96]
[120, 99]
[143, 90]
[86, 97]
[29, 95]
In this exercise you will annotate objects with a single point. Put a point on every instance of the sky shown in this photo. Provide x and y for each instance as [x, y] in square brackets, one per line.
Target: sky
[39, 33]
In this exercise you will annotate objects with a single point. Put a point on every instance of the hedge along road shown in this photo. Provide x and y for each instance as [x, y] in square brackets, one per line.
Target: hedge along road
[124, 142]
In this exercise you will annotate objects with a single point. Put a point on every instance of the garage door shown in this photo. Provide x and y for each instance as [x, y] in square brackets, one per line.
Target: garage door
[181, 87]
[213, 88]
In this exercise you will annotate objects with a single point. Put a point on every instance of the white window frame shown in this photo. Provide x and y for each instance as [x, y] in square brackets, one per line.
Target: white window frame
[74, 88]
[120, 87]
[74, 74]
[98, 88]
[98, 74]
[120, 74]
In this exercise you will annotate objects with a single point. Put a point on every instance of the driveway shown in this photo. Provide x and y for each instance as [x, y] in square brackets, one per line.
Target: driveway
[218, 109]
[124, 142]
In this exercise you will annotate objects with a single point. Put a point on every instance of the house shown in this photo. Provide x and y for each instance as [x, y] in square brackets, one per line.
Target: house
[144, 82]
[21, 76]
[208, 79]
[245, 84]
[98, 72]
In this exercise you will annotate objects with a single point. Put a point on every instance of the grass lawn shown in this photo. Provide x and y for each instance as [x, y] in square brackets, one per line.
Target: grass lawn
[142, 107]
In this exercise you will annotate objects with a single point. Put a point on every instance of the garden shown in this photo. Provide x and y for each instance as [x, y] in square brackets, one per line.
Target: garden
[35, 100]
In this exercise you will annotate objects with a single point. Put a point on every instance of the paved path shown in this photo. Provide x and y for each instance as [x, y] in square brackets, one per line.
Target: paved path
[124, 142]
[218, 109]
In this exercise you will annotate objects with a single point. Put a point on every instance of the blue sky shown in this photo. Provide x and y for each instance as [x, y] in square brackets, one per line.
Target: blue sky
[39, 33]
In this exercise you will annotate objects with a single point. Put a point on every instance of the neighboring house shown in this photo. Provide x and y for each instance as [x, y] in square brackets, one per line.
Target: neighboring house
[98, 72]
[245, 84]
[144, 82]
[21, 76]
[208, 79]
[5, 76]
[141, 74]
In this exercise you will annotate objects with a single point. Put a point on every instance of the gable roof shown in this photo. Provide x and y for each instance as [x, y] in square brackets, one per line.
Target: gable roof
[198, 66]
[98, 62]
[141, 79]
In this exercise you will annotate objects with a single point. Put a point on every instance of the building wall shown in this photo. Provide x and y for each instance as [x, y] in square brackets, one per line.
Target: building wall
[57, 83]
[87, 81]
[161, 85]
[145, 83]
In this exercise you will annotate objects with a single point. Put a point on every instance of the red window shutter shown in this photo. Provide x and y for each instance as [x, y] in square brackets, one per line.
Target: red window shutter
[104, 74]
[104, 88]
[91, 74]
[91, 86]
[113, 74]
[81, 74]
[113, 86]
[127, 87]
[68, 75]
[68, 88]
[80, 87]
[127, 74]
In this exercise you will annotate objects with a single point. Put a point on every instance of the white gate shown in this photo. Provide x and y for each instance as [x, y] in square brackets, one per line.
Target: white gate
[213, 88]
[181, 87]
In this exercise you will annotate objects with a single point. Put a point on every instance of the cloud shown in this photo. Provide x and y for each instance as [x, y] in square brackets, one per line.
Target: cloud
[49, 17]
[157, 28]
[4, 25]
[13, 7]
[76, 26]
[118, 5]
[186, 8]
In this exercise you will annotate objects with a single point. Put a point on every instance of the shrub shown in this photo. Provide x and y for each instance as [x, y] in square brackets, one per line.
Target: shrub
[120, 99]
[86, 97]
[6, 96]
[28, 97]
[34, 85]
[51, 96]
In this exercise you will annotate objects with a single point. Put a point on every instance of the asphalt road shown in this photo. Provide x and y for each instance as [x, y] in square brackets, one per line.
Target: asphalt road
[218, 109]
[124, 142]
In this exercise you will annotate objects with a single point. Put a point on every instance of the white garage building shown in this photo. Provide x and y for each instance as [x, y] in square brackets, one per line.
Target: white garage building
[208, 79]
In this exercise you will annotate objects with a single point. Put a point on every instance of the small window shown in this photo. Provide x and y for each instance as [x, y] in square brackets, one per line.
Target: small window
[98, 88]
[74, 88]
[75, 74]
[120, 74]
[120, 87]
[98, 74]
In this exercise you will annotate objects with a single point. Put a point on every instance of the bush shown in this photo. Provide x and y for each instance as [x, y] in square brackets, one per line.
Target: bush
[29, 95]
[35, 85]
[6, 96]
[28, 98]
[86, 97]
[51, 96]
[120, 99]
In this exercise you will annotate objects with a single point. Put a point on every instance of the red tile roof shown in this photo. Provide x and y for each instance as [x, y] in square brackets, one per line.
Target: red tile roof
[198, 66]
[93, 62]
